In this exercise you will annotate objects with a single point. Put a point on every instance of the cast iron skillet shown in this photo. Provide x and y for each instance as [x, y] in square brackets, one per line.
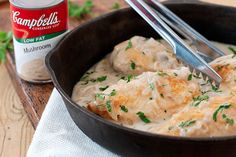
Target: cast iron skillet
[90, 42]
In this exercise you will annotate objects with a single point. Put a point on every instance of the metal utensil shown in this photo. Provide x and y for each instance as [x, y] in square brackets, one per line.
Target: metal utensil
[202, 45]
[181, 49]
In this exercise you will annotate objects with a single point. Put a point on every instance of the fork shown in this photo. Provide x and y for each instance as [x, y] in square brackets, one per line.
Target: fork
[204, 47]
[182, 51]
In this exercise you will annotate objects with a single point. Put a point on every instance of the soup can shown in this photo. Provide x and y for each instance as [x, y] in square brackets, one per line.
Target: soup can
[37, 28]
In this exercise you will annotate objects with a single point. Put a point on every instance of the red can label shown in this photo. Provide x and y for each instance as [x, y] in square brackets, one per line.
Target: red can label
[46, 22]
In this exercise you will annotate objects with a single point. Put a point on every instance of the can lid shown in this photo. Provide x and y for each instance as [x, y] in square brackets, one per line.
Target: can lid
[32, 4]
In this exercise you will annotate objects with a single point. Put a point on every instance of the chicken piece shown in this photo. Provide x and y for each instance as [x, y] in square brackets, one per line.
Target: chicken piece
[152, 96]
[139, 55]
[226, 67]
[213, 117]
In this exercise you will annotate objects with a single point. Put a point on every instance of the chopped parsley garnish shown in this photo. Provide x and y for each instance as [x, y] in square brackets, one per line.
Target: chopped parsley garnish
[86, 78]
[215, 88]
[187, 123]
[85, 82]
[93, 80]
[228, 120]
[220, 109]
[78, 11]
[113, 93]
[115, 6]
[175, 74]
[222, 66]
[132, 65]
[152, 86]
[161, 73]
[143, 117]
[130, 45]
[123, 108]
[102, 78]
[123, 78]
[190, 76]
[233, 51]
[199, 99]
[100, 96]
[103, 88]
[108, 105]
[128, 78]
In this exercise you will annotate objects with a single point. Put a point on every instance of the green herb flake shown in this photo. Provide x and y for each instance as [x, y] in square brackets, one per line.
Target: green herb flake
[101, 79]
[143, 117]
[228, 120]
[161, 73]
[175, 74]
[187, 123]
[123, 108]
[221, 67]
[130, 45]
[113, 93]
[78, 11]
[190, 76]
[132, 65]
[127, 78]
[84, 77]
[233, 51]
[220, 109]
[152, 86]
[93, 80]
[199, 99]
[85, 83]
[215, 88]
[103, 88]
[100, 96]
[115, 6]
[108, 105]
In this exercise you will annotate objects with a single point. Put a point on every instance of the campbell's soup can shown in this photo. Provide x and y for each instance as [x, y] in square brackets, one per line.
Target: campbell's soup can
[38, 25]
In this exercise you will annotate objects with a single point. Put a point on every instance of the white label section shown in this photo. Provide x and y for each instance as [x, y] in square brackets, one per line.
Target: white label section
[26, 53]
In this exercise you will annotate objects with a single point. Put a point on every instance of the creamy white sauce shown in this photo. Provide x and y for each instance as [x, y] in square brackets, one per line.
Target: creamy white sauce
[102, 75]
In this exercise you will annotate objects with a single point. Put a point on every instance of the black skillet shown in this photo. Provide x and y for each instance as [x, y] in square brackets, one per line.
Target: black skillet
[90, 42]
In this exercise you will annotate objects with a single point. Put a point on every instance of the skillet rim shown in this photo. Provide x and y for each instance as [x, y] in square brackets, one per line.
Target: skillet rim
[105, 121]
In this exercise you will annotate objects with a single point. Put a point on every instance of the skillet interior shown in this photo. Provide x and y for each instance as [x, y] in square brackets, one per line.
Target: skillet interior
[89, 43]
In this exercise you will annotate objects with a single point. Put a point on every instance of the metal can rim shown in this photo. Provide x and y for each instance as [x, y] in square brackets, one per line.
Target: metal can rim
[17, 4]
